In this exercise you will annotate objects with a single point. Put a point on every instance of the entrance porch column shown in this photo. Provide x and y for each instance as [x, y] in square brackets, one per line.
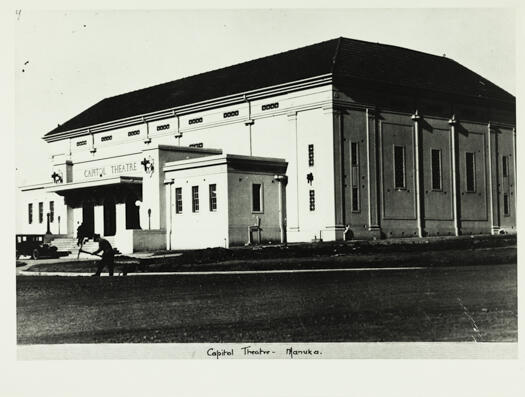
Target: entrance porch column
[70, 222]
[77, 220]
[99, 219]
[120, 209]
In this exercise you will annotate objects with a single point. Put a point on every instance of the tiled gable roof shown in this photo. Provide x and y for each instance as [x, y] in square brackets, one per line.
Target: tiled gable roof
[345, 58]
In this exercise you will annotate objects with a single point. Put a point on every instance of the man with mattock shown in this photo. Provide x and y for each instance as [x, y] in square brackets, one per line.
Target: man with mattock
[108, 255]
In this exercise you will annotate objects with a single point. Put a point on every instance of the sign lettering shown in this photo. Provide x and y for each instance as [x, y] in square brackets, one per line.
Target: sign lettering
[114, 169]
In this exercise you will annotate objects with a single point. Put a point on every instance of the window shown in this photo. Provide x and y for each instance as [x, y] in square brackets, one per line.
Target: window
[506, 207]
[257, 197]
[133, 133]
[163, 127]
[354, 162]
[355, 199]
[310, 155]
[270, 106]
[230, 114]
[312, 200]
[213, 197]
[81, 143]
[505, 166]
[399, 167]
[195, 198]
[106, 138]
[354, 154]
[196, 144]
[436, 169]
[178, 200]
[195, 121]
[40, 212]
[51, 211]
[30, 213]
[470, 164]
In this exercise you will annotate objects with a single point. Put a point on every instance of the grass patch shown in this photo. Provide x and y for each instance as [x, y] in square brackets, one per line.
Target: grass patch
[480, 250]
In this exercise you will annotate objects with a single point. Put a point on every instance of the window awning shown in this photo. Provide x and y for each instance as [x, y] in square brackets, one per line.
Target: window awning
[120, 180]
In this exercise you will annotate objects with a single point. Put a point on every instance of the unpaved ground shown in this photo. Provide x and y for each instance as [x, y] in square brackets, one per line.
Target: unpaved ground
[462, 303]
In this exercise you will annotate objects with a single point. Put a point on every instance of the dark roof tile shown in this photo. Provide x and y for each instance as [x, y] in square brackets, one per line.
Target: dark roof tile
[345, 58]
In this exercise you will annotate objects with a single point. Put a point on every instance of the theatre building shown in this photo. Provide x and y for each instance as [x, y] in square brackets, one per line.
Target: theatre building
[342, 139]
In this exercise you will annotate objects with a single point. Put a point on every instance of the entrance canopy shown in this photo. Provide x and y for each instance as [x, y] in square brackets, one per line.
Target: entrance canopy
[94, 203]
[65, 188]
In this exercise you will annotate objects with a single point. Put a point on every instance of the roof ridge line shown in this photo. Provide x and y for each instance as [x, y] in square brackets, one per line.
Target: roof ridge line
[398, 47]
[224, 67]
[336, 54]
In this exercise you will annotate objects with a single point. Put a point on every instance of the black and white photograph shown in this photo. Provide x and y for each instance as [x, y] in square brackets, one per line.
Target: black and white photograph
[265, 184]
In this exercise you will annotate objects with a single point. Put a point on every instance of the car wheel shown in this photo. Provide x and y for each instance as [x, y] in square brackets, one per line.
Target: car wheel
[35, 254]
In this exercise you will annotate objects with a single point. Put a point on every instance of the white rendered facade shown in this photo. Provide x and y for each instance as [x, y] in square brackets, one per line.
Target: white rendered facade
[378, 141]
[105, 155]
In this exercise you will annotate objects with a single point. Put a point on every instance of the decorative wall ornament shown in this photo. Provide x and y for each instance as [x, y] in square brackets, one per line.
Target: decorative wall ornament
[310, 178]
[57, 177]
[149, 165]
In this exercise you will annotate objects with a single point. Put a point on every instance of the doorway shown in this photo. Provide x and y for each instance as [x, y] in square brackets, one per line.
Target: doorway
[110, 217]
[132, 213]
[88, 218]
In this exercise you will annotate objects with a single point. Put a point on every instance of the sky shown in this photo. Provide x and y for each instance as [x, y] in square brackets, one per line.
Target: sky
[66, 61]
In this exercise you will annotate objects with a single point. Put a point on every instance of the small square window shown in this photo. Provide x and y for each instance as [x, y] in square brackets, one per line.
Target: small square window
[163, 127]
[270, 106]
[312, 200]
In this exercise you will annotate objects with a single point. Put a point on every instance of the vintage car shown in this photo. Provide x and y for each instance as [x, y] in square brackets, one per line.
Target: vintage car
[33, 245]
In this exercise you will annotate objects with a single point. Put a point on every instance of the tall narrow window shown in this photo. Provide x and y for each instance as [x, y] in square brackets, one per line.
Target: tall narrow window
[506, 207]
[312, 200]
[505, 166]
[213, 197]
[195, 198]
[436, 169]
[354, 162]
[30, 213]
[355, 199]
[40, 212]
[178, 200]
[310, 155]
[399, 167]
[257, 197]
[354, 154]
[470, 165]
[51, 211]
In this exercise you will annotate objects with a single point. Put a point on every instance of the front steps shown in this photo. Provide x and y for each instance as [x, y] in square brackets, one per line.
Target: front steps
[65, 244]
